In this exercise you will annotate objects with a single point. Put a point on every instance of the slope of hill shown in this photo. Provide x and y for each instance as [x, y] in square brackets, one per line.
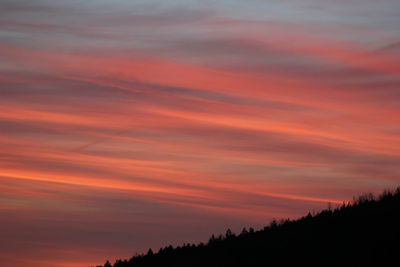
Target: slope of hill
[363, 233]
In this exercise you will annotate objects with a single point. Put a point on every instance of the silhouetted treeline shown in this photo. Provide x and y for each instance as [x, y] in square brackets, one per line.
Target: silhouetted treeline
[363, 233]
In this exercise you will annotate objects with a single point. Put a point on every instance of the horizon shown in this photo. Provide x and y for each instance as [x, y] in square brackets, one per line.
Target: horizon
[367, 224]
[126, 125]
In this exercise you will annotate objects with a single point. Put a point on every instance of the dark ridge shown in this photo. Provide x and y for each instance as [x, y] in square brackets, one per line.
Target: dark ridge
[362, 233]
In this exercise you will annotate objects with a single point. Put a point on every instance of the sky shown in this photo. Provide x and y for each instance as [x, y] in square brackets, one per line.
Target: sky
[126, 125]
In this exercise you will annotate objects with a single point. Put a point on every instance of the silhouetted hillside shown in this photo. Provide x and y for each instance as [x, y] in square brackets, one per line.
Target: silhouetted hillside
[363, 233]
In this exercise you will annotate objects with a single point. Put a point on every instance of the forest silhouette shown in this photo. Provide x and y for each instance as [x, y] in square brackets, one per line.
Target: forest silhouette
[364, 232]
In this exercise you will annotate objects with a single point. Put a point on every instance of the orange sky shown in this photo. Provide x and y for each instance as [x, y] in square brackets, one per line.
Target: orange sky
[137, 125]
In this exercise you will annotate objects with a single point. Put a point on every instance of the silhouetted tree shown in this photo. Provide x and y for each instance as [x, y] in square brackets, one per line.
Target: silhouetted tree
[150, 252]
[228, 233]
[244, 231]
[212, 239]
[273, 224]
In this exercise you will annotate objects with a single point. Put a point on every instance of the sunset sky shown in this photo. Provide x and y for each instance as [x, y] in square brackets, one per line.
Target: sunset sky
[126, 125]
